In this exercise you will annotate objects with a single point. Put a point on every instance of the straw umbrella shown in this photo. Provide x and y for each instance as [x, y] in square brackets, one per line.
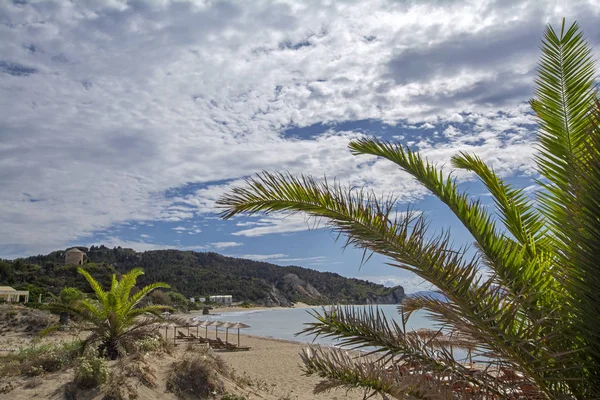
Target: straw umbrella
[238, 326]
[204, 324]
[216, 324]
[227, 325]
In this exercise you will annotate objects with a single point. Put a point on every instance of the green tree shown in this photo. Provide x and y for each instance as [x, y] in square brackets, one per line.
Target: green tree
[65, 302]
[114, 316]
[528, 300]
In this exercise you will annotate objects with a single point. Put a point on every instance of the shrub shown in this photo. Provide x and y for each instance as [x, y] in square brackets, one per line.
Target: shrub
[194, 375]
[149, 344]
[91, 372]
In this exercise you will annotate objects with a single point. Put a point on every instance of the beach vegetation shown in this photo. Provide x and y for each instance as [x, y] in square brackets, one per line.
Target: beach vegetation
[196, 374]
[524, 300]
[66, 300]
[91, 371]
[115, 318]
[40, 359]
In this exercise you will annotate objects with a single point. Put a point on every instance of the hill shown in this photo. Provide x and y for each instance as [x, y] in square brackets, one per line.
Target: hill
[196, 274]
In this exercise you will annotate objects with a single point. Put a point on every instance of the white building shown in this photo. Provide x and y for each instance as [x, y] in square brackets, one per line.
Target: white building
[221, 299]
[11, 295]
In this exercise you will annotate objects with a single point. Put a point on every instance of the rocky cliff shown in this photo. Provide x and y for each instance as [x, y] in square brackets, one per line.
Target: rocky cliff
[395, 296]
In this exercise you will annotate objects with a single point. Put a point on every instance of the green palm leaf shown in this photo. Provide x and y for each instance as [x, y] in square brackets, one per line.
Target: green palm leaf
[529, 297]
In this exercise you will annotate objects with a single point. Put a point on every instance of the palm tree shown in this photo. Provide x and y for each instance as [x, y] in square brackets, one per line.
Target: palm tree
[115, 316]
[528, 300]
[66, 300]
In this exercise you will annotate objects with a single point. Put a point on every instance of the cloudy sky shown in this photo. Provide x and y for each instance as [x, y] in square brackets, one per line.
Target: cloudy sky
[121, 122]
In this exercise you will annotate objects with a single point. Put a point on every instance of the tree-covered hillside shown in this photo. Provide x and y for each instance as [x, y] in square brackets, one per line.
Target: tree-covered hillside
[198, 274]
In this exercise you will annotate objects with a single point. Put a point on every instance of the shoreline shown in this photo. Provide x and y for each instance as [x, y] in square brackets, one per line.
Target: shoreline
[230, 309]
[260, 308]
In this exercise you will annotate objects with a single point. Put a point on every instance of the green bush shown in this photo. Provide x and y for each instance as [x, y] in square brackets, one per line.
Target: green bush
[91, 372]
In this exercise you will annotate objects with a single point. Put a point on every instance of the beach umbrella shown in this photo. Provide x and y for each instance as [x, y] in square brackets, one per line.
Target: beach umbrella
[238, 326]
[227, 325]
[216, 324]
[204, 324]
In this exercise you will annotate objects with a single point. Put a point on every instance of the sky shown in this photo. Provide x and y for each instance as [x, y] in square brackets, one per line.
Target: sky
[122, 122]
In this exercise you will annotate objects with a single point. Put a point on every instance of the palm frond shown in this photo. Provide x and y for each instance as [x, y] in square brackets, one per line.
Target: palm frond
[96, 287]
[565, 94]
[136, 298]
[505, 256]
[516, 211]
[340, 369]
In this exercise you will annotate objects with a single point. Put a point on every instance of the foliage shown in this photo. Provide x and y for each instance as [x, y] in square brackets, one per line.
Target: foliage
[195, 274]
[67, 299]
[527, 300]
[195, 374]
[90, 372]
[178, 300]
[114, 317]
[40, 359]
[49, 277]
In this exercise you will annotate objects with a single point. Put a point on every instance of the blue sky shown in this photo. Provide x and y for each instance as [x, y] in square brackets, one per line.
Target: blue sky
[121, 122]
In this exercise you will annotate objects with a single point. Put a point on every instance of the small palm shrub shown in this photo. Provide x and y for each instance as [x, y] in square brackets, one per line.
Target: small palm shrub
[66, 300]
[116, 318]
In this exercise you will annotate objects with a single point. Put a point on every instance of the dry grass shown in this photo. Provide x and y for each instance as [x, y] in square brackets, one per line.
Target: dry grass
[37, 360]
[16, 318]
[197, 374]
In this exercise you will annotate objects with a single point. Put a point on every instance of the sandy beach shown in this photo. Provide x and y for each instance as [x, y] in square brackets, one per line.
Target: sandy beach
[220, 310]
[269, 370]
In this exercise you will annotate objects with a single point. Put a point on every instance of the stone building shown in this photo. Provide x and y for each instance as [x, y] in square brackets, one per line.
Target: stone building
[74, 256]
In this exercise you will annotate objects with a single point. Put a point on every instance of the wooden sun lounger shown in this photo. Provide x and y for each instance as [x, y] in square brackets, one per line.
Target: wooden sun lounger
[232, 347]
[191, 338]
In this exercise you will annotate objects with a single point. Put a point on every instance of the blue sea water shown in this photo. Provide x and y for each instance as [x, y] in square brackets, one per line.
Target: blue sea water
[286, 323]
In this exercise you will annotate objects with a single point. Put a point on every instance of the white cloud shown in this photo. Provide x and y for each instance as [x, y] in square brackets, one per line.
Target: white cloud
[109, 106]
[146, 246]
[279, 258]
[410, 283]
[225, 245]
[262, 257]
[280, 224]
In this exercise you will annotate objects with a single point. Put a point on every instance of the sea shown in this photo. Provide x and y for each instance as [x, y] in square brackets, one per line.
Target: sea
[287, 323]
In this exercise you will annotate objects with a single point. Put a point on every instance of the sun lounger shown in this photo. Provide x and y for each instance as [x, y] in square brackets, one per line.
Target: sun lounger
[231, 347]
[191, 338]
